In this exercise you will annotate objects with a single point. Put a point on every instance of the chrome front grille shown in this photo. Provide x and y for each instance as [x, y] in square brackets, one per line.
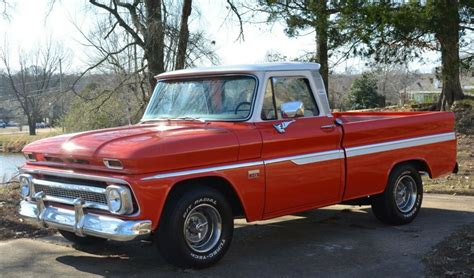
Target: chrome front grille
[66, 193]
[71, 194]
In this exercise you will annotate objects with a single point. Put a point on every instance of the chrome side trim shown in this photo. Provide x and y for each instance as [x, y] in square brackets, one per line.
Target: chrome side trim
[323, 156]
[400, 144]
[203, 170]
[70, 186]
[309, 158]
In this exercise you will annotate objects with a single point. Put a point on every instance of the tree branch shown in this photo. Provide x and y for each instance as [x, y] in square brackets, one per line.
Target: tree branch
[241, 25]
[120, 21]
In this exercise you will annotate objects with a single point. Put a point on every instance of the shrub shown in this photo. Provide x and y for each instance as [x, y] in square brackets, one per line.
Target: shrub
[363, 93]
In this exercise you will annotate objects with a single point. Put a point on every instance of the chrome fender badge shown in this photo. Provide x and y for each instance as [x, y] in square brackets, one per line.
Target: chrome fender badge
[253, 174]
[282, 126]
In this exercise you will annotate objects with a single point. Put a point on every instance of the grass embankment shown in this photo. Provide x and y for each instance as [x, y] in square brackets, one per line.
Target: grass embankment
[14, 142]
[461, 183]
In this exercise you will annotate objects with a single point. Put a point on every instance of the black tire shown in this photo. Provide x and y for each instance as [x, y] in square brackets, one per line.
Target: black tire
[185, 210]
[82, 241]
[385, 206]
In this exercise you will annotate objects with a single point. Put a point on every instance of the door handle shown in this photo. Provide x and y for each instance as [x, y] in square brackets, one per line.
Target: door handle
[328, 127]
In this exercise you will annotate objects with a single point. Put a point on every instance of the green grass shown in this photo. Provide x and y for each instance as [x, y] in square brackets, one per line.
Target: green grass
[16, 141]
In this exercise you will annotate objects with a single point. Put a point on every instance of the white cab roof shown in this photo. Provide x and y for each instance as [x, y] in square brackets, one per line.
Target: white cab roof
[250, 68]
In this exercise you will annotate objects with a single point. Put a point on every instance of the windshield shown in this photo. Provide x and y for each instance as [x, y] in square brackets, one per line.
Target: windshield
[207, 98]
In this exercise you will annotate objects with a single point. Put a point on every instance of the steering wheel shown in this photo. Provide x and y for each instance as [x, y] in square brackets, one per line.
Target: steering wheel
[240, 104]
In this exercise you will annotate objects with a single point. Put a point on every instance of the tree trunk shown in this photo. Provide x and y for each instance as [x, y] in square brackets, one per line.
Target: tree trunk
[183, 34]
[449, 41]
[31, 125]
[154, 40]
[322, 41]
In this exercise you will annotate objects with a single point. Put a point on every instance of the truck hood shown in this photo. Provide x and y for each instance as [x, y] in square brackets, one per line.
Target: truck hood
[141, 148]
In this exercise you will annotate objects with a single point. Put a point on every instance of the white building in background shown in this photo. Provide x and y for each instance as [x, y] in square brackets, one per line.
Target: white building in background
[424, 90]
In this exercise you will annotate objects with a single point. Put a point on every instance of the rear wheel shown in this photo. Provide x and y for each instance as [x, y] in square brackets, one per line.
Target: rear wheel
[401, 201]
[86, 240]
[196, 228]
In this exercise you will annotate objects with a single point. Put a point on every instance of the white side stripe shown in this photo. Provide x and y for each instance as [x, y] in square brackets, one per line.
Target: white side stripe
[309, 158]
[203, 170]
[322, 156]
[400, 144]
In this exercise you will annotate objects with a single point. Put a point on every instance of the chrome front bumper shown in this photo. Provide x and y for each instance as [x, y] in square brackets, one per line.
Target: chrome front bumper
[82, 224]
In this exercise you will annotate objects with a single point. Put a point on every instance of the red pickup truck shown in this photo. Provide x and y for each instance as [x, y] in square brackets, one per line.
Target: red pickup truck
[253, 141]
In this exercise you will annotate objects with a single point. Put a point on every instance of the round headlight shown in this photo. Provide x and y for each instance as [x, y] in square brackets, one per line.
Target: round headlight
[114, 199]
[119, 199]
[25, 185]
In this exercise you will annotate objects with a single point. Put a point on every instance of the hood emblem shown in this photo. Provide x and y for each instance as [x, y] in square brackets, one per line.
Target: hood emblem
[282, 126]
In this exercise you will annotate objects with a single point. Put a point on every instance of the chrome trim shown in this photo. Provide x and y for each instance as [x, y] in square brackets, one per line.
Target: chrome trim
[30, 157]
[85, 224]
[203, 170]
[69, 201]
[29, 179]
[70, 186]
[79, 217]
[281, 127]
[126, 205]
[400, 144]
[107, 164]
[71, 174]
[39, 198]
[309, 158]
[322, 156]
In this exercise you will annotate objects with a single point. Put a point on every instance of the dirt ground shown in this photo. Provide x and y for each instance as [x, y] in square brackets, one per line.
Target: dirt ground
[454, 256]
[461, 183]
[11, 224]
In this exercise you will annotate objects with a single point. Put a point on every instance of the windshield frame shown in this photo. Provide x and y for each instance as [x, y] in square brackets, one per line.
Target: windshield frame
[252, 108]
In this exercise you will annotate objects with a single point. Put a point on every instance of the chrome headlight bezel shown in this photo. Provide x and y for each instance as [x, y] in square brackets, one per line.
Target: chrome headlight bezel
[119, 199]
[30, 157]
[26, 185]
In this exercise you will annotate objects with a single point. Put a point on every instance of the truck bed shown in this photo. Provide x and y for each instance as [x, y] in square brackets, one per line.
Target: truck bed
[349, 117]
[374, 142]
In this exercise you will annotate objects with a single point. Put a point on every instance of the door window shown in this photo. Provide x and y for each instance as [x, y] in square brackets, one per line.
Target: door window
[287, 89]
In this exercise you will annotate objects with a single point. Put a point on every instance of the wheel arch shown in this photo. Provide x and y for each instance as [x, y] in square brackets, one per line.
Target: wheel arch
[221, 184]
[420, 164]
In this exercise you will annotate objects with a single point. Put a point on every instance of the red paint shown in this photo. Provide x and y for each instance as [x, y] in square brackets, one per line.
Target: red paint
[281, 188]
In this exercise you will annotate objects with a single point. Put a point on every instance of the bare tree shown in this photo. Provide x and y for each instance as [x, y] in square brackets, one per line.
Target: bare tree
[146, 21]
[34, 81]
[183, 34]
[117, 55]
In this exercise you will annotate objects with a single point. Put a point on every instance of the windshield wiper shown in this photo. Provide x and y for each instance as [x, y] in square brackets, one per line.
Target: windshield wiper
[156, 119]
[189, 118]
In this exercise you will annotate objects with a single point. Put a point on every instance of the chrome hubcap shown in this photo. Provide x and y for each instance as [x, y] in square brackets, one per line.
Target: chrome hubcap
[202, 228]
[405, 193]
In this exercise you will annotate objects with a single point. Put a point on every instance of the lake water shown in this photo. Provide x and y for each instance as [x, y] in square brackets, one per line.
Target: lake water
[9, 164]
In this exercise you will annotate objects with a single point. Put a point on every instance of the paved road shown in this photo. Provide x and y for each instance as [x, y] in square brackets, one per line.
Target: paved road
[335, 241]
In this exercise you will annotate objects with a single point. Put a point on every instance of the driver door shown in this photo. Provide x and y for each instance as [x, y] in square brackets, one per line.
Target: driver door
[302, 153]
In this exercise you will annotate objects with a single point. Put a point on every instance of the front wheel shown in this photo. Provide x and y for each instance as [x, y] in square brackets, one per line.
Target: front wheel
[401, 201]
[196, 228]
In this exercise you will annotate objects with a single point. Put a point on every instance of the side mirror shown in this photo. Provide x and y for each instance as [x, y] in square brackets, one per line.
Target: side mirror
[292, 109]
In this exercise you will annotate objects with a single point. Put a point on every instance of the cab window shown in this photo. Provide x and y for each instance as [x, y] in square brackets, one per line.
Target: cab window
[281, 90]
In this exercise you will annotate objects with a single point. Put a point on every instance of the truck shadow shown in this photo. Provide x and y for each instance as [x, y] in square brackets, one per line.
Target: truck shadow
[306, 243]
